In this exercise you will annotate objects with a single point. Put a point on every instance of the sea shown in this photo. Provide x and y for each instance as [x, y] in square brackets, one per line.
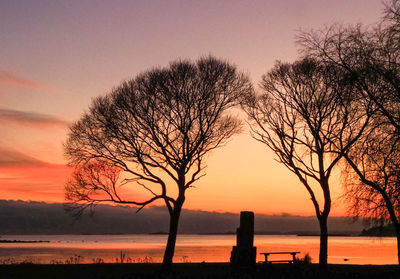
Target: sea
[149, 248]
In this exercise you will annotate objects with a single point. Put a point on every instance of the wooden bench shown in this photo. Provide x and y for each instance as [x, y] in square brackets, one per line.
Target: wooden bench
[280, 253]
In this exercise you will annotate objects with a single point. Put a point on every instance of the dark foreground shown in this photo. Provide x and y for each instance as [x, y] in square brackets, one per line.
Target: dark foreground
[191, 270]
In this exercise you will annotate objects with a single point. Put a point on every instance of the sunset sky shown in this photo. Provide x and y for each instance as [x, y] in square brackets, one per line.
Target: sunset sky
[55, 56]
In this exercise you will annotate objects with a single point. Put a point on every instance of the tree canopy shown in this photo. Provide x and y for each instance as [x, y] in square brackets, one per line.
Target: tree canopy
[154, 132]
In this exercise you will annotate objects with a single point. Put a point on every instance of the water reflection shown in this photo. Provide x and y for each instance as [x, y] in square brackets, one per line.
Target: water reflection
[190, 248]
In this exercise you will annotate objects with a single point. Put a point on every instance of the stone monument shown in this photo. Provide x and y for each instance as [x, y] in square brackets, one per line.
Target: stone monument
[244, 253]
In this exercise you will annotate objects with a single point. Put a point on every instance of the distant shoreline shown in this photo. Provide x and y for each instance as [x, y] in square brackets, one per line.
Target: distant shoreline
[24, 241]
[52, 219]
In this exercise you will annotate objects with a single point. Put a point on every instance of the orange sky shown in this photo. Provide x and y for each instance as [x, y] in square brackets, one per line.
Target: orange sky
[55, 57]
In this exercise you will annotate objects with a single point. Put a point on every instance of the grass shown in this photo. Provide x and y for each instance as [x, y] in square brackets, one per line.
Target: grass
[195, 271]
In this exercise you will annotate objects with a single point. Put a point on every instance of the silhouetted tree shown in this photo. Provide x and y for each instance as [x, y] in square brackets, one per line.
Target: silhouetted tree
[300, 115]
[372, 180]
[371, 60]
[154, 132]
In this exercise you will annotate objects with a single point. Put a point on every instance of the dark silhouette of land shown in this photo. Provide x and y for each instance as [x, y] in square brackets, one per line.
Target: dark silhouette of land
[387, 230]
[19, 217]
[23, 241]
[205, 270]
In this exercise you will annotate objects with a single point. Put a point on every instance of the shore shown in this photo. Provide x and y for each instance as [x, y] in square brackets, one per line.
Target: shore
[195, 270]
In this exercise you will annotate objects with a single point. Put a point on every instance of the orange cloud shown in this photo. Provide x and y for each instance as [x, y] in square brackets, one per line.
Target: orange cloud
[13, 79]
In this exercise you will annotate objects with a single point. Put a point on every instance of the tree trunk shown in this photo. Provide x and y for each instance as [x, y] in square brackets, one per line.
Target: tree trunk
[173, 231]
[323, 244]
[393, 218]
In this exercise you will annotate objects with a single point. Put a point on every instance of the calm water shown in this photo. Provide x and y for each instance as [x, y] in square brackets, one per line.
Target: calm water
[190, 248]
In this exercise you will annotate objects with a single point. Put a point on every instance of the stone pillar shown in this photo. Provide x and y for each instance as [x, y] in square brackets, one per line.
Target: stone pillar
[244, 253]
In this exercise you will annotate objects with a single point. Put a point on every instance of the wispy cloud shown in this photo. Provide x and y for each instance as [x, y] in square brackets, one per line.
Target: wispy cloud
[30, 118]
[13, 79]
[14, 158]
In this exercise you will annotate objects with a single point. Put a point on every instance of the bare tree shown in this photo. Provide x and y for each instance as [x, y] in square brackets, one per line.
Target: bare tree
[371, 60]
[154, 132]
[370, 57]
[372, 180]
[300, 115]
